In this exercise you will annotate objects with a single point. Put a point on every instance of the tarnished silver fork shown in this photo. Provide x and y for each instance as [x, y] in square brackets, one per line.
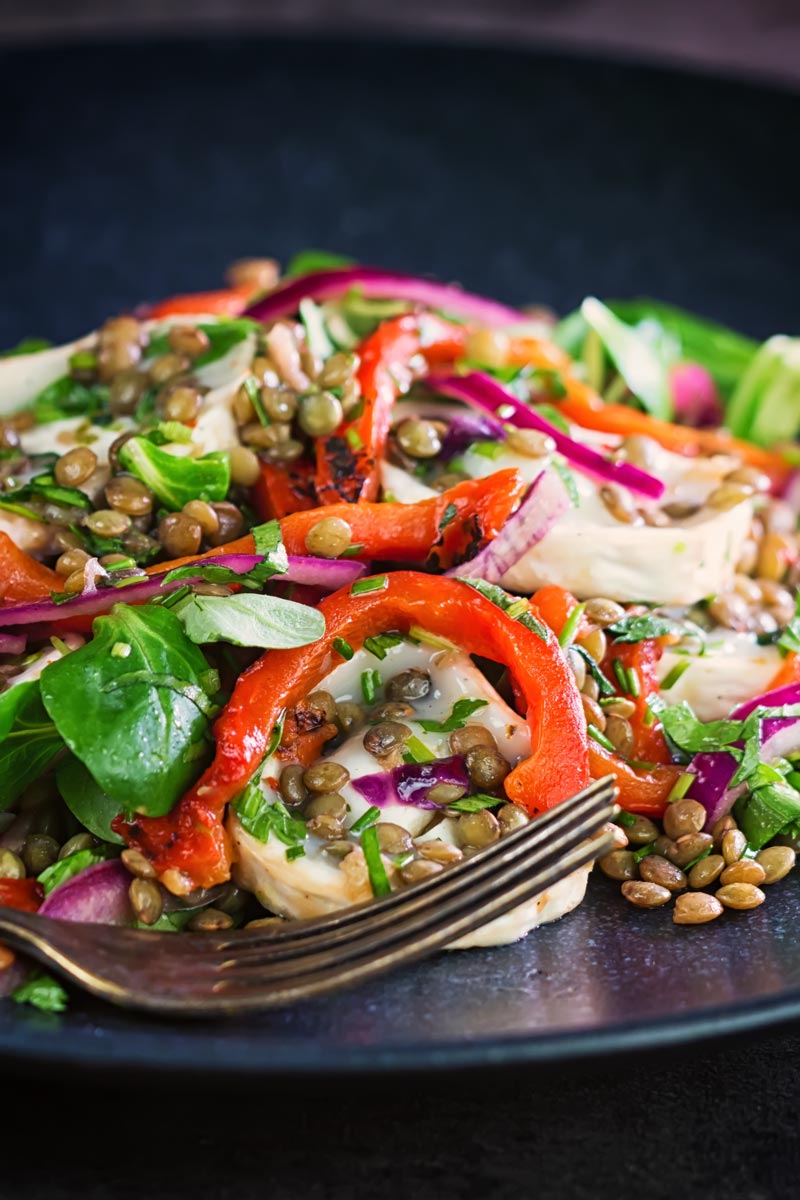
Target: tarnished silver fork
[207, 974]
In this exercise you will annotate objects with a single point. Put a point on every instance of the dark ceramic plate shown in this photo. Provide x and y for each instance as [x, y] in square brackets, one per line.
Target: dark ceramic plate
[136, 172]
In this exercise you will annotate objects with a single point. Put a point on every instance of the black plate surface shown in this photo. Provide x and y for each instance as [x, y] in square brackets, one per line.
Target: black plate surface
[134, 172]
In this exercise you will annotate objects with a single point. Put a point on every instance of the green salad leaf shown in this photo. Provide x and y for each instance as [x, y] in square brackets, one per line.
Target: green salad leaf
[66, 397]
[222, 335]
[86, 800]
[765, 405]
[306, 261]
[639, 362]
[461, 711]
[141, 724]
[250, 619]
[176, 479]
[29, 741]
[41, 991]
[66, 868]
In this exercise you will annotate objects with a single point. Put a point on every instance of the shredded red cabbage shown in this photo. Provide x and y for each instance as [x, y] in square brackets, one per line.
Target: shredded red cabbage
[411, 782]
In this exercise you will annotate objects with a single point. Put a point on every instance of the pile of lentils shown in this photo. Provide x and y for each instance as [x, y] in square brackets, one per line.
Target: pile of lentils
[314, 793]
[704, 872]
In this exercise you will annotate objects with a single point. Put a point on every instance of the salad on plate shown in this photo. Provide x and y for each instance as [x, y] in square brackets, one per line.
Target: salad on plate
[317, 584]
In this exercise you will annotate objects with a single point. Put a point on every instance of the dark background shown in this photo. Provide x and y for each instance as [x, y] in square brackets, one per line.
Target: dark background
[134, 172]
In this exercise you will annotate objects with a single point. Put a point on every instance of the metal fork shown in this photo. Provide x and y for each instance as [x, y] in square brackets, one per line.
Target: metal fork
[207, 974]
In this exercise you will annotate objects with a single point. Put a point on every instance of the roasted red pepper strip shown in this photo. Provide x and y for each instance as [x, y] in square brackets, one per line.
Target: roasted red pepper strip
[788, 672]
[639, 789]
[643, 658]
[225, 302]
[26, 895]
[191, 839]
[348, 462]
[284, 490]
[22, 578]
[425, 531]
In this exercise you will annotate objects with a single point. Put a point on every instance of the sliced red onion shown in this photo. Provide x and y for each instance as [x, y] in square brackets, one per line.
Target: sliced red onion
[410, 783]
[695, 396]
[12, 643]
[98, 896]
[791, 492]
[330, 574]
[481, 391]
[715, 770]
[546, 501]
[379, 284]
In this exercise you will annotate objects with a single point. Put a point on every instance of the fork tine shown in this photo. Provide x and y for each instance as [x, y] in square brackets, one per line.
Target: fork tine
[372, 937]
[235, 995]
[539, 825]
[464, 876]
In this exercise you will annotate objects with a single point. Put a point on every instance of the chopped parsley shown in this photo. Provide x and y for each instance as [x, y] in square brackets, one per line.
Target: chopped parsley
[43, 992]
[471, 804]
[639, 629]
[462, 709]
[262, 817]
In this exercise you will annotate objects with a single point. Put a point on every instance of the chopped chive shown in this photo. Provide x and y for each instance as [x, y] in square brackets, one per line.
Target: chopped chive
[681, 786]
[618, 667]
[625, 818]
[695, 861]
[416, 751]
[124, 564]
[172, 598]
[344, 648]
[417, 634]
[643, 851]
[649, 718]
[370, 683]
[120, 650]
[294, 852]
[353, 551]
[367, 818]
[401, 860]
[379, 880]
[516, 609]
[382, 642]
[601, 738]
[374, 584]
[567, 635]
[634, 686]
[250, 385]
[354, 439]
[673, 675]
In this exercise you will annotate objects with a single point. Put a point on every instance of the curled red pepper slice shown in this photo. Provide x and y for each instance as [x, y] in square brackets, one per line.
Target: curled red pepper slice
[22, 578]
[226, 302]
[192, 840]
[442, 530]
[348, 462]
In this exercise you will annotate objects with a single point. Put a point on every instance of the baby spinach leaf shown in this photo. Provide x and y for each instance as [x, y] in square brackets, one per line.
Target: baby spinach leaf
[66, 397]
[86, 800]
[222, 336]
[177, 480]
[694, 736]
[250, 620]
[29, 741]
[140, 724]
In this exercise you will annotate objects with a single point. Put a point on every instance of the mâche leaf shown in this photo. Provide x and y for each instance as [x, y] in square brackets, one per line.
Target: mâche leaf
[29, 741]
[140, 724]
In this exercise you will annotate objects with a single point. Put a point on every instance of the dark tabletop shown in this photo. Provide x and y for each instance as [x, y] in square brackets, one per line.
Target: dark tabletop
[135, 173]
[699, 1124]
